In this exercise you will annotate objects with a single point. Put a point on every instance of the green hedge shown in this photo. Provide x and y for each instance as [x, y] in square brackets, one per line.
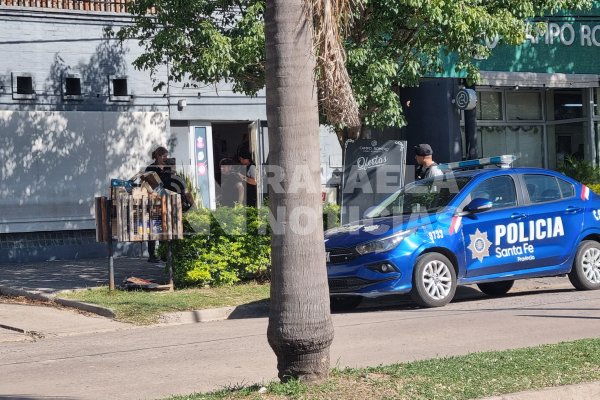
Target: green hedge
[227, 245]
[222, 247]
[331, 216]
[594, 187]
[581, 170]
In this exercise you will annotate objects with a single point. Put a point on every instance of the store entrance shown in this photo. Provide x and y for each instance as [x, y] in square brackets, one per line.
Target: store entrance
[229, 139]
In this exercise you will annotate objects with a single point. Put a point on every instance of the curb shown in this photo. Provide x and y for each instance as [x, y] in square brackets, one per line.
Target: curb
[182, 317]
[215, 314]
[93, 308]
[51, 298]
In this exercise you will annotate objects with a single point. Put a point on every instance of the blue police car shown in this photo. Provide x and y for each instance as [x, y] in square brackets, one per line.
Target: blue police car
[485, 226]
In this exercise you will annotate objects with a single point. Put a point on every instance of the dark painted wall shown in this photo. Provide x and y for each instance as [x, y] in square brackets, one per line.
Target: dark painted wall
[433, 118]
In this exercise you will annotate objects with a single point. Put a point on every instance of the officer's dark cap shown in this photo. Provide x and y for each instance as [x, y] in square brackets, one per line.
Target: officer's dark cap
[423, 149]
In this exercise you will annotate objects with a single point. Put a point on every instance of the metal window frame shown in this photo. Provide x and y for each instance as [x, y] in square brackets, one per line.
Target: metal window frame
[71, 75]
[111, 89]
[22, 96]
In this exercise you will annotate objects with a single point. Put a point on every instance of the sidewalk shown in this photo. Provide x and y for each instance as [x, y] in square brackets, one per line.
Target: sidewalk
[51, 277]
[42, 281]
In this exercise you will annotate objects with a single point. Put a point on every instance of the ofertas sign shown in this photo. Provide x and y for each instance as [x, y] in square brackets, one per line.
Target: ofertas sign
[372, 171]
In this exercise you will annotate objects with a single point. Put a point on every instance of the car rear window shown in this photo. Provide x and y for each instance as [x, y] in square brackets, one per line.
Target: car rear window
[543, 188]
[566, 189]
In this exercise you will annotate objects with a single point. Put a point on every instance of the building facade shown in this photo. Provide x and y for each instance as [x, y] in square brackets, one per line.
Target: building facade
[538, 100]
[74, 113]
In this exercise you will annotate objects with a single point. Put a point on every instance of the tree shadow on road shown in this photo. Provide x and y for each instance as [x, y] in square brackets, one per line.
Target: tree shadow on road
[464, 294]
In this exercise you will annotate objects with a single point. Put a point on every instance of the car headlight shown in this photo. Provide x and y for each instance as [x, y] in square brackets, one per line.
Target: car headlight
[381, 245]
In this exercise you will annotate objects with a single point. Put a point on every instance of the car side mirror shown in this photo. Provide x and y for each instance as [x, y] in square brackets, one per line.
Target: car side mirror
[477, 205]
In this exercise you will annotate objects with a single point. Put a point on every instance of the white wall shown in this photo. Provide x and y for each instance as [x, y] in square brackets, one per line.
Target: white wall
[53, 164]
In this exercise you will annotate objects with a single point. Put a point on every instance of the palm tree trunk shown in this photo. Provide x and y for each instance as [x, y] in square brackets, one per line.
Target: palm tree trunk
[300, 330]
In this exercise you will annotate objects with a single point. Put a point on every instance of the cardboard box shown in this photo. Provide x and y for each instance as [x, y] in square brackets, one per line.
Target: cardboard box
[151, 178]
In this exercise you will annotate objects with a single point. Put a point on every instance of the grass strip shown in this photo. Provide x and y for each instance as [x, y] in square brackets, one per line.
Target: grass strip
[453, 378]
[143, 308]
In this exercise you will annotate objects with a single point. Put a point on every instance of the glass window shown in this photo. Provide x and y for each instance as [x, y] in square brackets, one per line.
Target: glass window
[542, 188]
[500, 190]
[568, 104]
[566, 140]
[524, 141]
[523, 106]
[566, 189]
[489, 106]
[425, 196]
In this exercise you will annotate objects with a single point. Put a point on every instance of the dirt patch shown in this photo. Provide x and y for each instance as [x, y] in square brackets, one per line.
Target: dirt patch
[25, 300]
[33, 302]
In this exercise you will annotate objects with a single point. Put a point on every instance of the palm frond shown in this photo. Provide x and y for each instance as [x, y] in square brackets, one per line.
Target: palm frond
[330, 19]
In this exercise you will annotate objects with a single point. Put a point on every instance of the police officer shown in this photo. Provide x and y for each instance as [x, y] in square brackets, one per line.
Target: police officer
[426, 166]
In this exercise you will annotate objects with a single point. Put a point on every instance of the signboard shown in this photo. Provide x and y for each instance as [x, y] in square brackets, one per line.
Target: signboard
[372, 170]
[569, 45]
[201, 153]
[466, 99]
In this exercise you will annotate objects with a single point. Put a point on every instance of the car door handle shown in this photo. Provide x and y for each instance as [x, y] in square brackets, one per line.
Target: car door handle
[518, 216]
[572, 210]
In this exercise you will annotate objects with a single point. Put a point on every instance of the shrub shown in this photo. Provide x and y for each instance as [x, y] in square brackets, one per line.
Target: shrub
[595, 187]
[228, 245]
[331, 216]
[223, 247]
[581, 170]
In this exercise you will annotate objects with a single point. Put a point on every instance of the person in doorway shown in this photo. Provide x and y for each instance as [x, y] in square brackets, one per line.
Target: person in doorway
[426, 166]
[244, 147]
[232, 189]
[249, 178]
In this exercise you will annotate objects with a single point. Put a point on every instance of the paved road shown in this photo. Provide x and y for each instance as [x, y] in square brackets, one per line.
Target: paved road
[156, 362]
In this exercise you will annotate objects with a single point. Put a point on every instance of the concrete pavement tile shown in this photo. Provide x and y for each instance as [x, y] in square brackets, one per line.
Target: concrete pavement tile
[7, 335]
[48, 321]
[584, 391]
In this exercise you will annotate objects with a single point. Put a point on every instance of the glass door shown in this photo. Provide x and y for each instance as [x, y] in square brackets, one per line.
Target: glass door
[205, 184]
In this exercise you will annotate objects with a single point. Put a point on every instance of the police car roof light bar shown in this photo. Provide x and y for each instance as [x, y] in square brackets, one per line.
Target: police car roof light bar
[503, 161]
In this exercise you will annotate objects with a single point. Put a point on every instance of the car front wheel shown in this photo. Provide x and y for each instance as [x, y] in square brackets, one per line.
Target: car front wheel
[434, 280]
[496, 288]
[585, 274]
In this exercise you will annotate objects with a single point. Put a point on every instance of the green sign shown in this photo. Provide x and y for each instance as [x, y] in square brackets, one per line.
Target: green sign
[566, 47]
[571, 45]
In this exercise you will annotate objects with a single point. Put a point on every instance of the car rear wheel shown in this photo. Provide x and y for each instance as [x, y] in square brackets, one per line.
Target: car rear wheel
[496, 288]
[434, 280]
[585, 274]
[344, 303]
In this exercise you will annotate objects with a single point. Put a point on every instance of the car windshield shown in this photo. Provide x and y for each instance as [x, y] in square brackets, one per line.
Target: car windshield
[427, 196]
